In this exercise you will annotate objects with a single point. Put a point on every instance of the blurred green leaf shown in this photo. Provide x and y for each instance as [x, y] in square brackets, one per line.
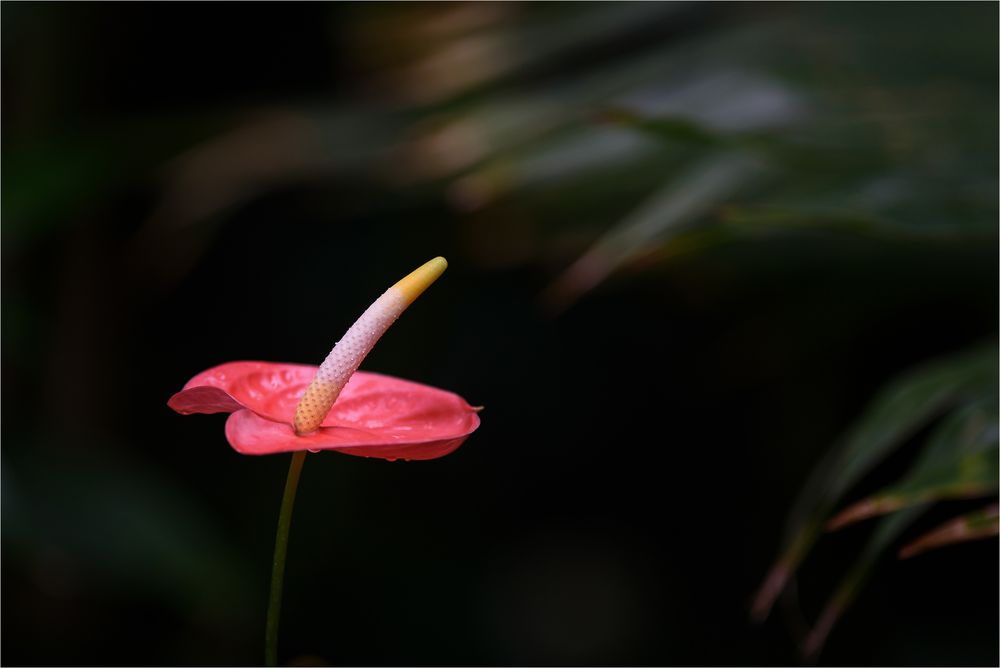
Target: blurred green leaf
[984, 523]
[968, 476]
[671, 129]
[960, 461]
[657, 219]
[886, 532]
[895, 415]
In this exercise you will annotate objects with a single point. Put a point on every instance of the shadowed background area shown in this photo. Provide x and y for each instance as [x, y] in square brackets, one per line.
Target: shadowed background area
[688, 245]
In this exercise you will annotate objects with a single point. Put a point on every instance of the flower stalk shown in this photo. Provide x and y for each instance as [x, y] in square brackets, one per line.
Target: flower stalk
[280, 552]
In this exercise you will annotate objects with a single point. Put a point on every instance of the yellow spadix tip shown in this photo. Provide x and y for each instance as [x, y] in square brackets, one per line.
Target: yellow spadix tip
[418, 280]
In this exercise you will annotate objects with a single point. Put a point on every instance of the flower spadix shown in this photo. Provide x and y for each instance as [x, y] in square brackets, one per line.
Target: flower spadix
[351, 350]
[292, 407]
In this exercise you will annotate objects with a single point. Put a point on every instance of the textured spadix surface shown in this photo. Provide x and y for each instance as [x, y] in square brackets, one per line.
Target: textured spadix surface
[354, 346]
[374, 416]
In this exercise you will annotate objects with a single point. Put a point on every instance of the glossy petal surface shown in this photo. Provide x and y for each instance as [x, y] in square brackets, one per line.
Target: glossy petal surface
[375, 416]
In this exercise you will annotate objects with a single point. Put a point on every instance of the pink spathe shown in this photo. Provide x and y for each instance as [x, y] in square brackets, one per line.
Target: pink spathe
[374, 416]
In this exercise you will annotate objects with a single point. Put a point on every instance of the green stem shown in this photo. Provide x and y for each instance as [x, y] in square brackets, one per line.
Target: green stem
[280, 550]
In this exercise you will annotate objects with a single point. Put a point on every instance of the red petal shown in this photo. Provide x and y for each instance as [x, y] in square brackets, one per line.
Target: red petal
[203, 399]
[269, 389]
[251, 434]
[375, 415]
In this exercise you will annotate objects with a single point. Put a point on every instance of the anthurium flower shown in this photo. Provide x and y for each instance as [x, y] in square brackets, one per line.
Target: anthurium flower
[375, 415]
[295, 407]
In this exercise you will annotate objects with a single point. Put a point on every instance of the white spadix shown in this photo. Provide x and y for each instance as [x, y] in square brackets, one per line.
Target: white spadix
[351, 350]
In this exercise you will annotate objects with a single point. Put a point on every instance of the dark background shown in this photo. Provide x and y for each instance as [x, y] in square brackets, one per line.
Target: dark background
[187, 184]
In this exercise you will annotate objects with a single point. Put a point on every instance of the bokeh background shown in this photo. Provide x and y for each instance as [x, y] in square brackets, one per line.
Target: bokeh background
[688, 245]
